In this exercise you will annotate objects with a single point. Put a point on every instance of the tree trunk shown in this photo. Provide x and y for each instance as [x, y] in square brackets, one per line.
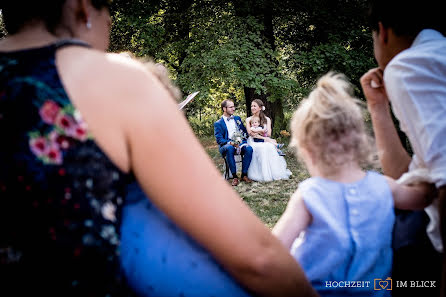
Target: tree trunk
[272, 109]
[249, 96]
[275, 108]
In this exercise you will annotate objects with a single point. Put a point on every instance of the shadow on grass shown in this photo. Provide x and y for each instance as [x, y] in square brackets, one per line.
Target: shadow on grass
[267, 200]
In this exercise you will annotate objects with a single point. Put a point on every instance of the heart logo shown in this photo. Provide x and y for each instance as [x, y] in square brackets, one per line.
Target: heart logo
[383, 284]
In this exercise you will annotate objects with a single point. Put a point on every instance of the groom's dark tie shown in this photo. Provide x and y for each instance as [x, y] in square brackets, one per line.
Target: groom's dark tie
[230, 118]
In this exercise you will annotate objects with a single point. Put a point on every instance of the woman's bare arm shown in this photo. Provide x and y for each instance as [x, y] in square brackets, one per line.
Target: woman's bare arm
[268, 126]
[178, 175]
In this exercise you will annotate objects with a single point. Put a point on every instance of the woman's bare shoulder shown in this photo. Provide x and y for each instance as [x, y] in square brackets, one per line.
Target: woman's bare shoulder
[113, 93]
[118, 68]
[110, 65]
[108, 75]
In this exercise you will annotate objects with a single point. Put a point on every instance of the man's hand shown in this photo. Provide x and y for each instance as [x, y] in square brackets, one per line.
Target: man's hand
[393, 157]
[236, 145]
[374, 90]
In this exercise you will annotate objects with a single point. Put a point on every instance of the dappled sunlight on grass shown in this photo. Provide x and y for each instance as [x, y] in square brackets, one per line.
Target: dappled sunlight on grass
[266, 200]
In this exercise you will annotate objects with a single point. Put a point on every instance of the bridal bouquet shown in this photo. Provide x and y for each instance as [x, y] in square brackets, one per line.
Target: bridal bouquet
[238, 137]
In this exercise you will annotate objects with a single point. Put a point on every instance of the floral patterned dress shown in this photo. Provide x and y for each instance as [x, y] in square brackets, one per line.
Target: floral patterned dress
[60, 195]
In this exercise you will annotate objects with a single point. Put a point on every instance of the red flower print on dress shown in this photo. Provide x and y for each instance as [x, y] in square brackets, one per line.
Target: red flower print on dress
[65, 122]
[54, 154]
[67, 127]
[71, 127]
[80, 132]
[61, 140]
[39, 146]
[45, 149]
[49, 111]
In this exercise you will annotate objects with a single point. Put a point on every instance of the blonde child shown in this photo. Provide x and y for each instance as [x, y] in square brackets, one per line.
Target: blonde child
[262, 134]
[338, 223]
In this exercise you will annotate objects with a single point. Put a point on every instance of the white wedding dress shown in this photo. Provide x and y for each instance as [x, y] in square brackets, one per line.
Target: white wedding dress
[266, 164]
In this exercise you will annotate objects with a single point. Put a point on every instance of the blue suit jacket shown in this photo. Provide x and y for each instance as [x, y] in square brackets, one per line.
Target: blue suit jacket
[221, 130]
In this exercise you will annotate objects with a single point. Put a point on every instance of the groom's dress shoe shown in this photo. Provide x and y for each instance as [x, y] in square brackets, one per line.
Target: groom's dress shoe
[235, 182]
[246, 179]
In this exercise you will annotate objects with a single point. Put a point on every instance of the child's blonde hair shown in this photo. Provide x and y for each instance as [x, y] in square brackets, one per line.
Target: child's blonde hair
[251, 120]
[329, 124]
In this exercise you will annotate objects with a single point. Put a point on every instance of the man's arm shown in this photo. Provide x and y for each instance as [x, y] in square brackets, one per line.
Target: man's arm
[241, 126]
[412, 197]
[219, 135]
[393, 157]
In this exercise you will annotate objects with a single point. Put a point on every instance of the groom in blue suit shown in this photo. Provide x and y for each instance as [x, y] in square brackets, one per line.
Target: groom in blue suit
[224, 128]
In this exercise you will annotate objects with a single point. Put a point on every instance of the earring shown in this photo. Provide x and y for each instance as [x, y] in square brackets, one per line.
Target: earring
[88, 25]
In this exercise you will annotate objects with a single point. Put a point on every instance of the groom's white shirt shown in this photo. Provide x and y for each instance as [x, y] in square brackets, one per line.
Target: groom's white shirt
[230, 125]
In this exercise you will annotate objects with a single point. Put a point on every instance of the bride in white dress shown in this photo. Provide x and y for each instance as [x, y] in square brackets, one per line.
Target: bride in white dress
[267, 164]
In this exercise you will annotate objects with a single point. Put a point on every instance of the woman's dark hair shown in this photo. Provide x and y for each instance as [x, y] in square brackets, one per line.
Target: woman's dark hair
[407, 17]
[263, 120]
[17, 13]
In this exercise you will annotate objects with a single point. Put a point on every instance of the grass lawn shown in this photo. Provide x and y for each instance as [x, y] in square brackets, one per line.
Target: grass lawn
[267, 200]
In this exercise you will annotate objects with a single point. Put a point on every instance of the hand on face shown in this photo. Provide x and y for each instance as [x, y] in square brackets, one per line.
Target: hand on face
[374, 89]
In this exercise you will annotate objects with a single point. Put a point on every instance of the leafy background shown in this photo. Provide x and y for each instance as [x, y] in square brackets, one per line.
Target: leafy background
[245, 49]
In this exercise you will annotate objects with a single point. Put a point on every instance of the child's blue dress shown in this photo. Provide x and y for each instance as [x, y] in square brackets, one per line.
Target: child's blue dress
[350, 236]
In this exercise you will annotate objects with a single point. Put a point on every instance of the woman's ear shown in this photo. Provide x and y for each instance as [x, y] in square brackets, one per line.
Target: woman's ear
[82, 13]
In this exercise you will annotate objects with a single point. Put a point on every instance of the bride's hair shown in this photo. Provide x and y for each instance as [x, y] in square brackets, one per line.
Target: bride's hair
[329, 124]
[262, 116]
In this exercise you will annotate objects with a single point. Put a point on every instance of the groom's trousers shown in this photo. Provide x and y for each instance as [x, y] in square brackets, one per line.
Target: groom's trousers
[228, 151]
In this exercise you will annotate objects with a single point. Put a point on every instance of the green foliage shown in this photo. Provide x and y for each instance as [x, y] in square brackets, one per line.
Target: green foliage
[136, 27]
[203, 126]
[223, 47]
[321, 35]
[226, 55]
[332, 56]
